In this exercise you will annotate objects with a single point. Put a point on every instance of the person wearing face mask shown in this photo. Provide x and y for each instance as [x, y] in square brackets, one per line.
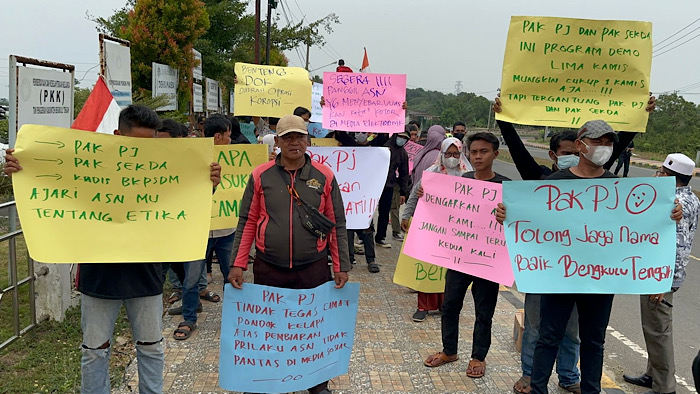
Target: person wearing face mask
[398, 164]
[459, 129]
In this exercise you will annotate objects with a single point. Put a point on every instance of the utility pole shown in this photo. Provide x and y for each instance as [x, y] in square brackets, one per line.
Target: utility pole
[257, 31]
[270, 5]
[458, 88]
[308, 46]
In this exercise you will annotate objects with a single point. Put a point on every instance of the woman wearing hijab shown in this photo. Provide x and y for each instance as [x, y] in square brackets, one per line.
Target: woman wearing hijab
[449, 161]
[427, 156]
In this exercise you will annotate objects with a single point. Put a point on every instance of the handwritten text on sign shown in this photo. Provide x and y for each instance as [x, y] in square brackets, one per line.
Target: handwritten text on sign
[591, 236]
[237, 162]
[316, 109]
[411, 149]
[419, 275]
[364, 102]
[282, 340]
[356, 172]
[455, 227]
[563, 72]
[86, 197]
[270, 90]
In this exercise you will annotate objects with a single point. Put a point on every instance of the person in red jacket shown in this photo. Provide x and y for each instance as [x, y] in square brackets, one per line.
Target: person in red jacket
[342, 68]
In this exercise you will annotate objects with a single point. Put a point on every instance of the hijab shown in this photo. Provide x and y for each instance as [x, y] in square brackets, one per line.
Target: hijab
[429, 153]
[439, 165]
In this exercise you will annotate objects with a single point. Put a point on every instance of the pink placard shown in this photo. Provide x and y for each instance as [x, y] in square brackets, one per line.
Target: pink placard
[411, 149]
[364, 102]
[455, 226]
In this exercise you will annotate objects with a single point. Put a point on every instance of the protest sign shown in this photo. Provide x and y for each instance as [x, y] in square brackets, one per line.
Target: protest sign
[164, 81]
[592, 235]
[316, 109]
[419, 275]
[237, 162]
[270, 90]
[364, 102]
[86, 197]
[115, 57]
[197, 98]
[282, 340]
[563, 72]
[248, 130]
[455, 226]
[324, 142]
[411, 149]
[316, 130]
[360, 176]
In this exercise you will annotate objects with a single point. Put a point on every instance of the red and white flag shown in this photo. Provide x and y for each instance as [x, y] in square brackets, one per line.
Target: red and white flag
[100, 112]
[365, 63]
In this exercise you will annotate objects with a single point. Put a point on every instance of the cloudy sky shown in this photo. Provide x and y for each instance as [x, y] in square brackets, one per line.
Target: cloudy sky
[436, 43]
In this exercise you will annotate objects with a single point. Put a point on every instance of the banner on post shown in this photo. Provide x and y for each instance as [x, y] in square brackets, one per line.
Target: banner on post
[116, 58]
[212, 94]
[271, 90]
[592, 236]
[165, 82]
[237, 162]
[44, 96]
[364, 102]
[197, 70]
[316, 109]
[360, 176]
[455, 226]
[197, 97]
[563, 72]
[86, 197]
[283, 340]
[419, 275]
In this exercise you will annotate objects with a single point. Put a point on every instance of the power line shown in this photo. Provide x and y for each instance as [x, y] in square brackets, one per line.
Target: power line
[671, 36]
[676, 40]
[684, 42]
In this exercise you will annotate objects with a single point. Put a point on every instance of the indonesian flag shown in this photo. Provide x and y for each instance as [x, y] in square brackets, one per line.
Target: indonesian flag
[365, 63]
[100, 112]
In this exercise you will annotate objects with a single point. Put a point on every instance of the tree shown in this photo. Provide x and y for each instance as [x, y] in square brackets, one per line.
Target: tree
[4, 101]
[674, 126]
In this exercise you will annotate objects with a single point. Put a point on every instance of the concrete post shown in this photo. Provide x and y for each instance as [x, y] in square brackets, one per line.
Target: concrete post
[54, 291]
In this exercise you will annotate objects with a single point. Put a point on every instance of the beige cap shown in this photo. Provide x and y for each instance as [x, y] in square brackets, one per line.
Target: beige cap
[291, 124]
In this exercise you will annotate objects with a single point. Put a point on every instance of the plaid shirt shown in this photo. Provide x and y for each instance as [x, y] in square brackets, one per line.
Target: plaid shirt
[685, 231]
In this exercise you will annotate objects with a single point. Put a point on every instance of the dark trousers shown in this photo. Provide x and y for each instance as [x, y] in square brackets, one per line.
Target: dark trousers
[594, 312]
[313, 275]
[367, 241]
[384, 210]
[623, 160]
[485, 295]
[178, 269]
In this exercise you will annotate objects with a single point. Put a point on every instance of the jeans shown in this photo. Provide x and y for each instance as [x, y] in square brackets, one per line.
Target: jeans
[98, 318]
[366, 238]
[485, 295]
[567, 358]
[594, 312]
[383, 217]
[195, 270]
[624, 159]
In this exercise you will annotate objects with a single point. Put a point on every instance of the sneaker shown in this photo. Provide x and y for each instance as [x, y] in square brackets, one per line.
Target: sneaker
[353, 262]
[383, 244]
[420, 316]
[398, 237]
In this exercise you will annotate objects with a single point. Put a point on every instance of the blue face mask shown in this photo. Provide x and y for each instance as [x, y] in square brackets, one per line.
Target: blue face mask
[566, 161]
[401, 141]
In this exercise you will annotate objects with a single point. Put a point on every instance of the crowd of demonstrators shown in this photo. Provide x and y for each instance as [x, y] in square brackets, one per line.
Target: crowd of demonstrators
[398, 175]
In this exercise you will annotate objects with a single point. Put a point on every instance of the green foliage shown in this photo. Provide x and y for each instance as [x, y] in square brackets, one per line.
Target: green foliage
[674, 126]
[80, 97]
[4, 130]
[469, 108]
[114, 24]
[144, 97]
[4, 101]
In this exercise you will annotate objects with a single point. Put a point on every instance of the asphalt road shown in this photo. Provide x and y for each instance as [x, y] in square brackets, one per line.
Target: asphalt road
[625, 351]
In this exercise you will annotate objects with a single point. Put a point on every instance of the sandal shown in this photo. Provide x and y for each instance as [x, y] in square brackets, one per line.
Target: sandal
[439, 359]
[175, 297]
[573, 388]
[476, 369]
[373, 267]
[210, 296]
[522, 386]
[186, 333]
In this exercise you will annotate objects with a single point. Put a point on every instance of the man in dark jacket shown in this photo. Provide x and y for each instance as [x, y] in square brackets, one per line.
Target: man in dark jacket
[398, 163]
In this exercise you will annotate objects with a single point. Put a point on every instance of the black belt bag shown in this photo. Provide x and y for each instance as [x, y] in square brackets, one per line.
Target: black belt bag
[312, 220]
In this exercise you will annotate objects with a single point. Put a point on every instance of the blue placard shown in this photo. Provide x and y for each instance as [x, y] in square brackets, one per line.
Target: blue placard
[248, 130]
[282, 340]
[603, 235]
[317, 130]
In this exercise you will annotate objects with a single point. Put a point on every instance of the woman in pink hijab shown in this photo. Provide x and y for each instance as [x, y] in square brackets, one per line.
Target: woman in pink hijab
[426, 157]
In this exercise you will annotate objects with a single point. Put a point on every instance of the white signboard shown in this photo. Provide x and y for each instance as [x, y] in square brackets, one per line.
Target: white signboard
[117, 61]
[197, 97]
[360, 175]
[316, 109]
[44, 97]
[212, 94]
[197, 70]
[165, 82]
[230, 101]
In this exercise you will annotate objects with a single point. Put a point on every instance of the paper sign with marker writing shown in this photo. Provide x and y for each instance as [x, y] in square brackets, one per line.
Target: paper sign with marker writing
[455, 226]
[87, 197]
[237, 162]
[563, 72]
[248, 130]
[591, 236]
[316, 130]
[270, 90]
[324, 142]
[364, 102]
[419, 275]
[316, 109]
[411, 149]
[276, 340]
[357, 173]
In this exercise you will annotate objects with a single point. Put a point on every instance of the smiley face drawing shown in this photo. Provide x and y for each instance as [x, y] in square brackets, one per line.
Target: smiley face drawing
[640, 198]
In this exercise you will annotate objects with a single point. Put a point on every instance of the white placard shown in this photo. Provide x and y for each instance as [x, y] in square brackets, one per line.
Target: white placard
[197, 70]
[230, 101]
[316, 109]
[117, 61]
[212, 94]
[165, 82]
[44, 97]
[197, 97]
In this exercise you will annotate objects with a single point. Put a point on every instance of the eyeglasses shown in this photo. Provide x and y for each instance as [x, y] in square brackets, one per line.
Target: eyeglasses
[456, 155]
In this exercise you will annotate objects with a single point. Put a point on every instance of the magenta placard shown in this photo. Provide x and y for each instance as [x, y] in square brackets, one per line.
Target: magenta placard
[455, 227]
[364, 102]
[411, 149]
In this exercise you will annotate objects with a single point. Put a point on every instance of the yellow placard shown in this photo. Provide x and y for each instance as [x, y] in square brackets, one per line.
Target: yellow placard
[237, 162]
[270, 90]
[563, 72]
[86, 197]
[324, 142]
[419, 275]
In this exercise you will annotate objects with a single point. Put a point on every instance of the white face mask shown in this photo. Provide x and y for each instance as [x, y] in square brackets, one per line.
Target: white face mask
[451, 162]
[361, 137]
[598, 154]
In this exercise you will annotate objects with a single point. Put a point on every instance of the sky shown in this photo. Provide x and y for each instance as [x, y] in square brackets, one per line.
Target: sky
[435, 43]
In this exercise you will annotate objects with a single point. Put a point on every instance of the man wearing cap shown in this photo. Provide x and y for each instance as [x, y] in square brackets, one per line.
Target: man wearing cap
[657, 313]
[288, 255]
